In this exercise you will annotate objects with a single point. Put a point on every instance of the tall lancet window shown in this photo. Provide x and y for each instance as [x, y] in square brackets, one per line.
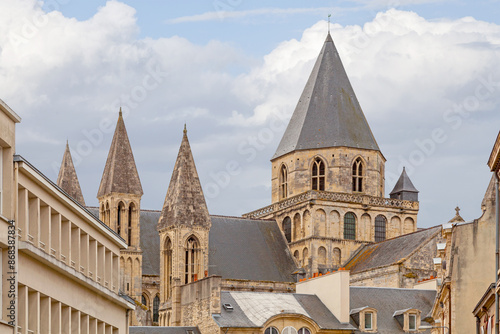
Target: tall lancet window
[119, 218]
[283, 182]
[193, 260]
[318, 175]
[130, 213]
[167, 258]
[357, 175]
[106, 214]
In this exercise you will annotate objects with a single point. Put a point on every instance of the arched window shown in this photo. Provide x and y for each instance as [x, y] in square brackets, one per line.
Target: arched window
[156, 307]
[167, 258]
[144, 300]
[305, 257]
[106, 214]
[380, 226]
[289, 330]
[318, 175]
[130, 213]
[357, 175]
[192, 260]
[283, 182]
[287, 228]
[337, 256]
[350, 226]
[304, 330]
[322, 255]
[119, 218]
[271, 330]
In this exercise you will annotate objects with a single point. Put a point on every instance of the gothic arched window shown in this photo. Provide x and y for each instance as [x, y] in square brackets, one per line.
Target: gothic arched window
[167, 258]
[318, 175]
[156, 308]
[131, 210]
[283, 182]
[350, 226]
[357, 175]
[287, 228]
[119, 214]
[192, 260]
[380, 227]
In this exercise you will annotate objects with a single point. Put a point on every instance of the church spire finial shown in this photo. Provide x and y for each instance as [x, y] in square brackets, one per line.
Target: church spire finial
[185, 129]
[120, 113]
[329, 15]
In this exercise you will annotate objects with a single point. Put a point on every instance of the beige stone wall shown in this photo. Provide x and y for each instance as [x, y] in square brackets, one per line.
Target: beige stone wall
[338, 162]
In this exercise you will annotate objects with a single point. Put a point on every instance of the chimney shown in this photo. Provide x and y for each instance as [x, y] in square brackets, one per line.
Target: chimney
[333, 290]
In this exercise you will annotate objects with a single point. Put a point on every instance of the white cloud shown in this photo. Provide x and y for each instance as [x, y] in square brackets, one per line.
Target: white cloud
[67, 79]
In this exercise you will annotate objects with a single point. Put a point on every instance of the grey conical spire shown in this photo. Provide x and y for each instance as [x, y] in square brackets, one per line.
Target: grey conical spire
[404, 188]
[328, 113]
[67, 179]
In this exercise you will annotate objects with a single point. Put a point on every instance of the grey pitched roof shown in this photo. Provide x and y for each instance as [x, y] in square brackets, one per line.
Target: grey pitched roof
[389, 300]
[253, 309]
[162, 330]
[184, 203]
[328, 113]
[390, 251]
[67, 178]
[404, 184]
[120, 172]
[249, 249]
[239, 248]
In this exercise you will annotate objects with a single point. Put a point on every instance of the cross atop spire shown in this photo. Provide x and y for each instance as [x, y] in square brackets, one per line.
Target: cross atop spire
[120, 172]
[67, 179]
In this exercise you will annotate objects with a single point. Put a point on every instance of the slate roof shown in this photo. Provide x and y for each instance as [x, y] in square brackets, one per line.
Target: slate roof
[389, 300]
[390, 251]
[184, 201]
[251, 249]
[120, 172]
[239, 248]
[67, 179]
[162, 330]
[328, 113]
[404, 184]
[253, 309]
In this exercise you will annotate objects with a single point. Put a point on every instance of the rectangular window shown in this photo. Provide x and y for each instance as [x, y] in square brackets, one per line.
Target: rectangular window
[412, 322]
[368, 320]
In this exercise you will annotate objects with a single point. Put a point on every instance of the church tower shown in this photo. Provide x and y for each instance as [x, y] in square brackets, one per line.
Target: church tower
[183, 226]
[119, 197]
[67, 179]
[328, 175]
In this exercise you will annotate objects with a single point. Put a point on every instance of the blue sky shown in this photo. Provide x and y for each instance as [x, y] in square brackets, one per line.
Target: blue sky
[426, 73]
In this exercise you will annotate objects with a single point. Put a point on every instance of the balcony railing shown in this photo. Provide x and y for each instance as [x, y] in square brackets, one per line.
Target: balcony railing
[336, 197]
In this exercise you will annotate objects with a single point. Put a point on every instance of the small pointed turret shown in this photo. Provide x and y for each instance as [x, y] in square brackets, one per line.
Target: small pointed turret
[120, 173]
[404, 188]
[328, 113]
[184, 203]
[67, 179]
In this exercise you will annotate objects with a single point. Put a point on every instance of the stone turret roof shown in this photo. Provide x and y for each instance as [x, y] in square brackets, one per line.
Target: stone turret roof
[120, 173]
[184, 203]
[404, 184]
[67, 179]
[328, 113]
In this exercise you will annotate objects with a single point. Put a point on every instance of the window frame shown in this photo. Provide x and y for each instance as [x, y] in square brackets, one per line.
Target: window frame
[348, 223]
[377, 235]
[283, 182]
[318, 174]
[304, 330]
[369, 313]
[287, 232]
[357, 175]
[271, 330]
[412, 316]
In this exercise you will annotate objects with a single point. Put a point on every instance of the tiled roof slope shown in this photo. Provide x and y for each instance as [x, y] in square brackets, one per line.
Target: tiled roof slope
[390, 251]
[389, 300]
[67, 179]
[120, 173]
[253, 309]
[328, 113]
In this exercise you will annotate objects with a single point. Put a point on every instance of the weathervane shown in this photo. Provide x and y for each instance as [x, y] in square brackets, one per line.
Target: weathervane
[329, 15]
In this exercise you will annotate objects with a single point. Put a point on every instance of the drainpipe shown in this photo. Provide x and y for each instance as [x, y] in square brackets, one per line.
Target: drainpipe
[497, 219]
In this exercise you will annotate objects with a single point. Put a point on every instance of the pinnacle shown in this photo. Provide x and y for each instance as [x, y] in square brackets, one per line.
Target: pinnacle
[67, 179]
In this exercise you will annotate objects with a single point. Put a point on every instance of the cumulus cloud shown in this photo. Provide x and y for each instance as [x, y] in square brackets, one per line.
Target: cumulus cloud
[428, 88]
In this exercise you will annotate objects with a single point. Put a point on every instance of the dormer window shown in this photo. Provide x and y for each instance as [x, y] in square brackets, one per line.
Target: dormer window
[365, 318]
[412, 322]
[368, 321]
[408, 319]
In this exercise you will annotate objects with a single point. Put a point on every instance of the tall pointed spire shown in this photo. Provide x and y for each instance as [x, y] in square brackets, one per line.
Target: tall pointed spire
[185, 203]
[67, 179]
[120, 173]
[328, 113]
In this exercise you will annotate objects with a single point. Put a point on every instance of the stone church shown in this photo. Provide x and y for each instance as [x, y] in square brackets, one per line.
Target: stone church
[328, 201]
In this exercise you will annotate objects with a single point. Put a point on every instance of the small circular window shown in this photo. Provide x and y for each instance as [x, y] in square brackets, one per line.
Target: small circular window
[271, 330]
[289, 330]
[304, 330]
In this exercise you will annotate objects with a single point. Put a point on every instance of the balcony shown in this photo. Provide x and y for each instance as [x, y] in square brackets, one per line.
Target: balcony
[335, 197]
